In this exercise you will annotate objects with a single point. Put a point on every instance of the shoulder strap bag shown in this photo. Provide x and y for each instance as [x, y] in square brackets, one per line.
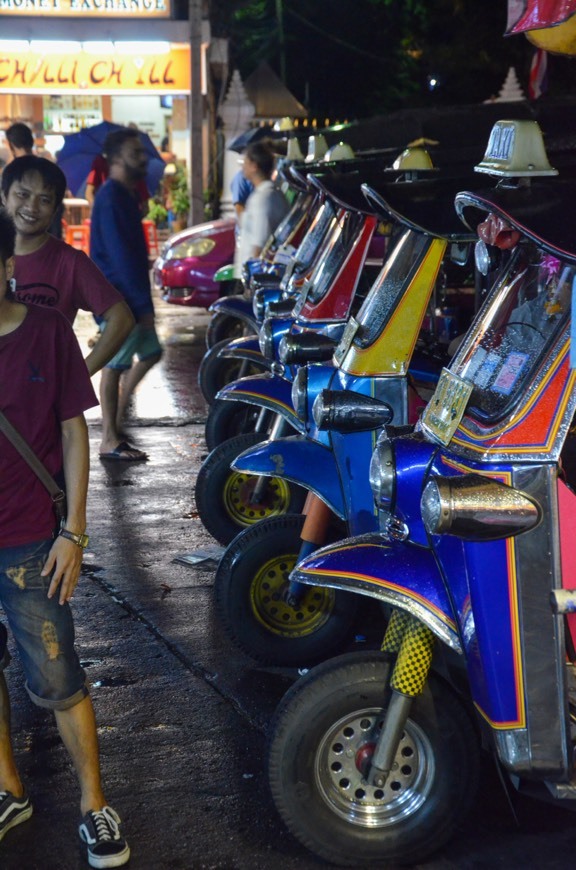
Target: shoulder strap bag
[57, 495]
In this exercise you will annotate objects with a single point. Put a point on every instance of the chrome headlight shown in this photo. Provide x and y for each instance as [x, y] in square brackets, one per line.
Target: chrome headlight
[476, 508]
[259, 304]
[266, 340]
[300, 394]
[383, 474]
[486, 257]
[193, 248]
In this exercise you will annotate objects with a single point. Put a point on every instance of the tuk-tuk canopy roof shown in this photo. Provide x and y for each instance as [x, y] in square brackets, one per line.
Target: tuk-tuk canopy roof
[542, 210]
[426, 206]
[301, 171]
[345, 188]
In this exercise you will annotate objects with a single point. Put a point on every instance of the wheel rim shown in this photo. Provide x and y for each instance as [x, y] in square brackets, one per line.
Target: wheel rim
[345, 751]
[267, 593]
[238, 491]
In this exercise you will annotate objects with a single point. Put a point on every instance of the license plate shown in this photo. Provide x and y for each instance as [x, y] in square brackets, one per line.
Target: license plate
[350, 331]
[445, 409]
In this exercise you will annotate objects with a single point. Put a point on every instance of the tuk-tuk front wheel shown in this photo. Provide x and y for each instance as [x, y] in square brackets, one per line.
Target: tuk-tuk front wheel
[225, 327]
[216, 371]
[323, 736]
[226, 419]
[251, 588]
[225, 499]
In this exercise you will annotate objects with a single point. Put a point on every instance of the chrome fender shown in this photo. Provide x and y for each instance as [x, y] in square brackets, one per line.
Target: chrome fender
[247, 347]
[397, 573]
[301, 461]
[236, 306]
[267, 391]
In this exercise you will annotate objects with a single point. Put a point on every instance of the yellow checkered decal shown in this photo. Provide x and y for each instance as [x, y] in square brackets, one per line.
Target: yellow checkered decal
[414, 659]
[399, 621]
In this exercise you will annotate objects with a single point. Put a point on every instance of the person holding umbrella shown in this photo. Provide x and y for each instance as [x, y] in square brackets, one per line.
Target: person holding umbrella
[84, 149]
[118, 247]
[50, 272]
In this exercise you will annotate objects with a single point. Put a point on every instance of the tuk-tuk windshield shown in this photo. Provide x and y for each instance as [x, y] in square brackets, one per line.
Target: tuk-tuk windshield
[382, 300]
[291, 220]
[529, 307]
[334, 251]
[310, 244]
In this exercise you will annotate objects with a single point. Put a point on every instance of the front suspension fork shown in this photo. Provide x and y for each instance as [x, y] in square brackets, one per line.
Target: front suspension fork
[313, 535]
[412, 643]
[279, 428]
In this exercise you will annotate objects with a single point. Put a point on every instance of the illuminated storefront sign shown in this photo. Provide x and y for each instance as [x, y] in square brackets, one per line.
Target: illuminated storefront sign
[34, 72]
[83, 8]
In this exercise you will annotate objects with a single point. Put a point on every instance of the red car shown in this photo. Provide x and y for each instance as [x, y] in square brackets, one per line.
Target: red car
[185, 269]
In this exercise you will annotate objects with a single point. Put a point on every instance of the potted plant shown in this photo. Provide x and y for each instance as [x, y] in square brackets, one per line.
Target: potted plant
[179, 198]
[157, 213]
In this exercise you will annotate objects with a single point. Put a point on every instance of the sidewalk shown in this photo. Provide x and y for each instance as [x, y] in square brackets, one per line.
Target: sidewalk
[180, 723]
[182, 716]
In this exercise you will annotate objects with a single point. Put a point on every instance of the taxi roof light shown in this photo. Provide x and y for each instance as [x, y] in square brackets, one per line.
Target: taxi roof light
[516, 150]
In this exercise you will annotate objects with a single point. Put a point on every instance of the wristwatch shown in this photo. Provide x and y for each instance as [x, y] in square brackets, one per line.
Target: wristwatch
[79, 540]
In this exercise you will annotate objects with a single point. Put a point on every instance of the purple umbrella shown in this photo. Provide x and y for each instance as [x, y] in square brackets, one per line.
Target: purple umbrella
[76, 157]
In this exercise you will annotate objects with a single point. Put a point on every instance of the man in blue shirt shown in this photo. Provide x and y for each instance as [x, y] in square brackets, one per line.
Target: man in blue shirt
[241, 189]
[118, 247]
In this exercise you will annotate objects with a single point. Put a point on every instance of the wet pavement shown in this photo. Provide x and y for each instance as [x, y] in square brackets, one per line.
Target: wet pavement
[182, 715]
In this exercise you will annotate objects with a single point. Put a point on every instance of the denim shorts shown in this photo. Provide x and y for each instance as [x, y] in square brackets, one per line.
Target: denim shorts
[42, 628]
[141, 343]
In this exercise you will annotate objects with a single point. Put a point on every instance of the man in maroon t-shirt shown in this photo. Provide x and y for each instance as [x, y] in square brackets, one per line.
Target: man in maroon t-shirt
[48, 271]
[45, 389]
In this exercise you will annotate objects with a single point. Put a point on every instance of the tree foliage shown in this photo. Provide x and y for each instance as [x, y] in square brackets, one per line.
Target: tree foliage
[355, 58]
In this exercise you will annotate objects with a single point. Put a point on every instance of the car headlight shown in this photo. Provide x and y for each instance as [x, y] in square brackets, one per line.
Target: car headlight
[266, 340]
[383, 474]
[300, 394]
[193, 248]
[259, 304]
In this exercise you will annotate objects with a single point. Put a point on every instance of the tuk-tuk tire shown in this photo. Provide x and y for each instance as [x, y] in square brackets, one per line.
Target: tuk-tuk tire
[225, 326]
[324, 727]
[249, 580]
[222, 495]
[226, 419]
[216, 371]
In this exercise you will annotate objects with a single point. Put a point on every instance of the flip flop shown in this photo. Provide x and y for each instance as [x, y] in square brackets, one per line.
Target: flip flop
[125, 452]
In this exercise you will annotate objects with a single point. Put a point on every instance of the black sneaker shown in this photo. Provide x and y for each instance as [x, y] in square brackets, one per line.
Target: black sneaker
[101, 832]
[13, 811]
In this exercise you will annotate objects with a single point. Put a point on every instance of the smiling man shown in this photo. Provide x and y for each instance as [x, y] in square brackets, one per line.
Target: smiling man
[45, 390]
[48, 271]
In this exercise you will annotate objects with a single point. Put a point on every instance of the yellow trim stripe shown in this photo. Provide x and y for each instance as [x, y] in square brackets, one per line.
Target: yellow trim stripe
[387, 584]
[520, 722]
[259, 396]
[391, 352]
[552, 432]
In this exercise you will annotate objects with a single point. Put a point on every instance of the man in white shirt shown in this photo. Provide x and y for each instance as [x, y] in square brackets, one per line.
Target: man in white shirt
[265, 207]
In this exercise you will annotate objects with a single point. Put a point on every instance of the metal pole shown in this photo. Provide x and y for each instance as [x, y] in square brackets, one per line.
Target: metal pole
[282, 52]
[196, 215]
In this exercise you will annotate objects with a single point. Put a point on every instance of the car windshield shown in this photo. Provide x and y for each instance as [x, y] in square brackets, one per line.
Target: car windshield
[528, 308]
[390, 284]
